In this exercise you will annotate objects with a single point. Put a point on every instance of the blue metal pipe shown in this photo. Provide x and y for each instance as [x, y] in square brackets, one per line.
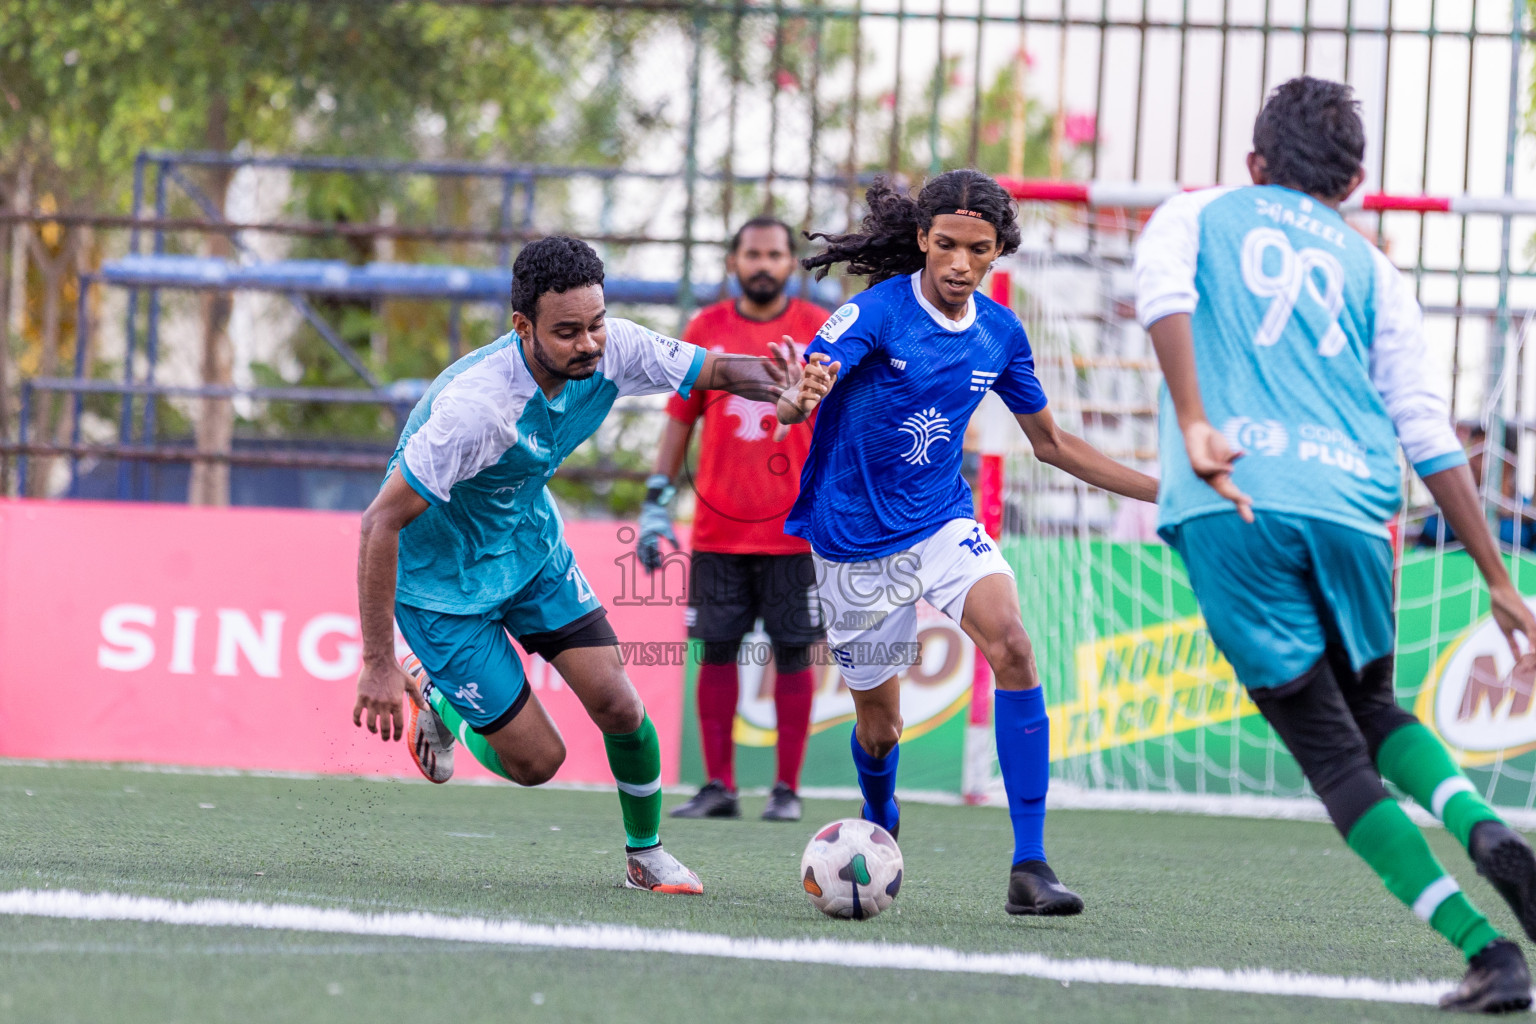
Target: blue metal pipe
[131, 344]
[393, 280]
[82, 339]
[458, 168]
[398, 393]
[152, 339]
[23, 434]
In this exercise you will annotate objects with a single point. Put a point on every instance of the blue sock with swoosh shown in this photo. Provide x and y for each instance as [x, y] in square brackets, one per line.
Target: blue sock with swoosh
[1024, 755]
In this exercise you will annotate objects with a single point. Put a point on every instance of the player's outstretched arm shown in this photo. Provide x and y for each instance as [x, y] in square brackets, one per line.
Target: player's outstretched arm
[1055, 447]
[1456, 495]
[381, 681]
[755, 377]
[1209, 454]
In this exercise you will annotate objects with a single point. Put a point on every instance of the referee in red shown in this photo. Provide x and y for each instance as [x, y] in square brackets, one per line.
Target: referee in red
[744, 567]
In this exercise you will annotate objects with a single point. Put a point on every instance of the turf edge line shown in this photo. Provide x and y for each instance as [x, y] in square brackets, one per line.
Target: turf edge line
[621, 938]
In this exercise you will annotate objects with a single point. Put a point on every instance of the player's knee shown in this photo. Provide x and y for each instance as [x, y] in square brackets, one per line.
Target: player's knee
[791, 658]
[720, 652]
[537, 771]
[1012, 657]
[618, 711]
[1377, 712]
[880, 738]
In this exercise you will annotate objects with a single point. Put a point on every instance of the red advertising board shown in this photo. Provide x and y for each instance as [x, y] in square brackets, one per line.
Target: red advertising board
[229, 638]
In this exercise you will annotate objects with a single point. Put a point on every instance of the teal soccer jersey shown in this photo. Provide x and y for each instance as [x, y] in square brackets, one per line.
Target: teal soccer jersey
[1309, 351]
[482, 443]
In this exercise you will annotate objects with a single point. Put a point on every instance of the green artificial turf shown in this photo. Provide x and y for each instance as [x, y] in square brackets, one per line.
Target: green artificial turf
[1173, 890]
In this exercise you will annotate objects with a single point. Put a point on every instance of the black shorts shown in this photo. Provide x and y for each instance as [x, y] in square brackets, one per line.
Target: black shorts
[728, 593]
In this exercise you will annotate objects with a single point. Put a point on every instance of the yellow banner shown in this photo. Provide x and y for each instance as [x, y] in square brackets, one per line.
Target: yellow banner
[1145, 684]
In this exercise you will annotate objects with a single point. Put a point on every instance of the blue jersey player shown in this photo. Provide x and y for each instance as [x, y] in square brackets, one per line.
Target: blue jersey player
[885, 509]
[1290, 341]
[463, 545]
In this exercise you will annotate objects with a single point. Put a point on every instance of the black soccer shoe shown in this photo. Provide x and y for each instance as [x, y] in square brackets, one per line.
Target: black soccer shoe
[783, 804]
[1497, 981]
[713, 801]
[1504, 858]
[1033, 888]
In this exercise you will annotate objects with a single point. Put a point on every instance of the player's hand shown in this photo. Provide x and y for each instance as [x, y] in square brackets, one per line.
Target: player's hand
[1212, 459]
[380, 686]
[784, 362]
[1514, 617]
[817, 380]
[655, 523]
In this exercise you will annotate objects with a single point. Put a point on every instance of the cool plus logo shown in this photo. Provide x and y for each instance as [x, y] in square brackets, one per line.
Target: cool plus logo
[1332, 447]
[1261, 437]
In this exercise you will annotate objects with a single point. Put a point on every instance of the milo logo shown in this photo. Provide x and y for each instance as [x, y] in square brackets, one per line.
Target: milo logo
[1478, 699]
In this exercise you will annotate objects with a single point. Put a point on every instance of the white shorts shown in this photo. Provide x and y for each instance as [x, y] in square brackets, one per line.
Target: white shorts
[870, 608]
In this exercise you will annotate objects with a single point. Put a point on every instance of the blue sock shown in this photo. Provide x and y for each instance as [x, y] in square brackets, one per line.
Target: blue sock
[1024, 754]
[877, 781]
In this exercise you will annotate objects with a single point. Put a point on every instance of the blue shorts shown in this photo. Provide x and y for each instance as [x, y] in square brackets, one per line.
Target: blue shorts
[1275, 594]
[470, 659]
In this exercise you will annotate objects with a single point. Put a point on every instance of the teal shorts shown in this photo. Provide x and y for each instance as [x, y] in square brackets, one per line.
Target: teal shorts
[470, 659]
[1278, 592]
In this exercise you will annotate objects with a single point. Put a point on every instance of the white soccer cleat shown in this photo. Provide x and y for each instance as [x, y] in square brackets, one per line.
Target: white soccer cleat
[426, 734]
[658, 871]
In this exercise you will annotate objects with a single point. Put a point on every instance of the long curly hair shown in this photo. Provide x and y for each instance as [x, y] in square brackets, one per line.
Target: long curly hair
[886, 245]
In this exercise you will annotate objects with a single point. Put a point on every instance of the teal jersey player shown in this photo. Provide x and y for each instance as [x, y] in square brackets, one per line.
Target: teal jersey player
[1296, 373]
[463, 547]
[482, 444]
[1311, 354]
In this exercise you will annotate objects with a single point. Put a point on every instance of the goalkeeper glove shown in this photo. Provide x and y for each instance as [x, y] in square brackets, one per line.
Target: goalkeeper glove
[655, 521]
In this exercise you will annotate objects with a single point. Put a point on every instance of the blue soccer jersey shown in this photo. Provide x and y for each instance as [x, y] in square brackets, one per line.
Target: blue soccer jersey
[884, 468]
[1310, 353]
[482, 443]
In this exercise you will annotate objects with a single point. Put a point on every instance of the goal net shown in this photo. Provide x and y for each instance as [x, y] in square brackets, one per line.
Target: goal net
[1141, 702]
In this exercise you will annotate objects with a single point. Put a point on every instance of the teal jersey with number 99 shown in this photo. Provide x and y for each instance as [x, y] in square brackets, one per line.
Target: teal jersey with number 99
[1309, 350]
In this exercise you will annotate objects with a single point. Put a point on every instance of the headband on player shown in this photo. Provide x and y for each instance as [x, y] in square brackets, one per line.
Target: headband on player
[941, 211]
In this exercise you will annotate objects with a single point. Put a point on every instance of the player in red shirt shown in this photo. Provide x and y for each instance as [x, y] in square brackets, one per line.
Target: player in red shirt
[744, 566]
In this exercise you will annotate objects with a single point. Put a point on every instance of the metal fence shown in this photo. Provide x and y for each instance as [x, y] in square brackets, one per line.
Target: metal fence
[792, 108]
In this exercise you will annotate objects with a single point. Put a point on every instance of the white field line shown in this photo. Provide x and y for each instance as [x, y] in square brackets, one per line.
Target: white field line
[1063, 795]
[619, 938]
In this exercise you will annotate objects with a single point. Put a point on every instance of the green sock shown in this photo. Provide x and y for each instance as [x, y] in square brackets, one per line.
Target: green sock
[1414, 760]
[1389, 842]
[472, 741]
[635, 758]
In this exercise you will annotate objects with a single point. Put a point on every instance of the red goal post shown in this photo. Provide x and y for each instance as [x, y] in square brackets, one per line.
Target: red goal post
[1135, 195]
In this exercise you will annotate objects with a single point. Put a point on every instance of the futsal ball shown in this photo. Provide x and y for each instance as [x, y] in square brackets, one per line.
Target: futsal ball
[851, 869]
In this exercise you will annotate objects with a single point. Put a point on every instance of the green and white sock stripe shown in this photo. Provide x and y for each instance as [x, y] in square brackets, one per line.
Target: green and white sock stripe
[476, 744]
[1395, 849]
[1414, 760]
[1434, 894]
[643, 789]
[635, 759]
[1442, 795]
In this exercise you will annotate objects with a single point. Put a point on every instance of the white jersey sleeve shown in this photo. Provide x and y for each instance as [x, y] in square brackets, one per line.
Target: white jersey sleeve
[641, 362]
[1399, 371]
[1167, 254]
[470, 427]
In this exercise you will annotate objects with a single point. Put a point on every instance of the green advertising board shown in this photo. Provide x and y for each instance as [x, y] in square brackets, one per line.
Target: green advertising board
[1141, 700]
